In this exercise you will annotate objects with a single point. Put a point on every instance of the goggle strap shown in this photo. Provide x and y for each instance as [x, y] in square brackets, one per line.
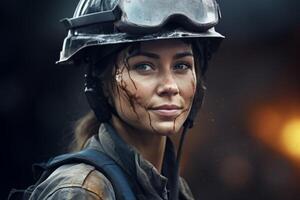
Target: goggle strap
[94, 18]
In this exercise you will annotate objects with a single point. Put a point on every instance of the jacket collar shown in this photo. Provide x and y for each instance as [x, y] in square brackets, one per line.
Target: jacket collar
[152, 184]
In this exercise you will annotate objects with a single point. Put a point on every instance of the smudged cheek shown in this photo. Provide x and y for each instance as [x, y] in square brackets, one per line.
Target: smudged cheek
[187, 88]
[139, 91]
[143, 93]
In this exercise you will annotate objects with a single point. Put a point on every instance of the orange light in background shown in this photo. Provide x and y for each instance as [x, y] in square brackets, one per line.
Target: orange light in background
[278, 126]
[291, 137]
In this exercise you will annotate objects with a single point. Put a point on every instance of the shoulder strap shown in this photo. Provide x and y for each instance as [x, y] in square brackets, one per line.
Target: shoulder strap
[101, 162]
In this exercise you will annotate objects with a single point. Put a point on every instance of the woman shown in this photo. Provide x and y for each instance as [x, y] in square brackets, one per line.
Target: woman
[145, 64]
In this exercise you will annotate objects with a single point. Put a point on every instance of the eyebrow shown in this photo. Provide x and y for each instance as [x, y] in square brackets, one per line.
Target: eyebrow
[156, 56]
[147, 54]
[182, 54]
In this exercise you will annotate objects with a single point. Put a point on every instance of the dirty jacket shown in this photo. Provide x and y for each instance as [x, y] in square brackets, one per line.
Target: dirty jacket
[84, 182]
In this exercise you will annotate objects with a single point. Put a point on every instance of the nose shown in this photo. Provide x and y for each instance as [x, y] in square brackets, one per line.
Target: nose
[167, 85]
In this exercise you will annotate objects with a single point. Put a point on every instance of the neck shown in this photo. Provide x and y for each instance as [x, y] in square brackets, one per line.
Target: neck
[150, 145]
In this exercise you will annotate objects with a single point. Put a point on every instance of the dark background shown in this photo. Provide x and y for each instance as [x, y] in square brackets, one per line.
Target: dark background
[235, 151]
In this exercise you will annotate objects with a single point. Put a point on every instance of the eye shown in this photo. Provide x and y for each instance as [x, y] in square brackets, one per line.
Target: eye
[143, 67]
[182, 67]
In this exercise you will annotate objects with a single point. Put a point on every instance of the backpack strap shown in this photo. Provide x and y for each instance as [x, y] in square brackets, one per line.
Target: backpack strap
[102, 163]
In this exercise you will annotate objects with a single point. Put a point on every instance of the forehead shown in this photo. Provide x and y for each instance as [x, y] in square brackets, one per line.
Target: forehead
[173, 45]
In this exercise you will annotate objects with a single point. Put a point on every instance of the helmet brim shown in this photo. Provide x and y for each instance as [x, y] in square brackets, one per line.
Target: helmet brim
[86, 41]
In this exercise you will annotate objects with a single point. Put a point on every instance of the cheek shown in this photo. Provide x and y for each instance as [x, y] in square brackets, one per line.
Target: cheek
[143, 93]
[132, 90]
[187, 86]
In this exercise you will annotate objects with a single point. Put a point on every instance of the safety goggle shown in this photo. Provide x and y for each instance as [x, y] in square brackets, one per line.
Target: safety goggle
[146, 16]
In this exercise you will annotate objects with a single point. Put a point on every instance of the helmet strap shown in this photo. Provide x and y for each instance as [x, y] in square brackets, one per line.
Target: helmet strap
[95, 96]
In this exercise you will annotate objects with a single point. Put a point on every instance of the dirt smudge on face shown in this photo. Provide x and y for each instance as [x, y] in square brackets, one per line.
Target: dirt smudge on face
[150, 122]
[174, 122]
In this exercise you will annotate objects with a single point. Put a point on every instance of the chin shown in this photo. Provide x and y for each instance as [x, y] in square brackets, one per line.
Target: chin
[167, 128]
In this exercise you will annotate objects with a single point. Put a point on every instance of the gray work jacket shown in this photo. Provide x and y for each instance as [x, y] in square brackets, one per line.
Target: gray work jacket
[84, 182]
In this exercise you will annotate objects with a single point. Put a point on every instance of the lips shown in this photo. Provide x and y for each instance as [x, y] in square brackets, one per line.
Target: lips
[167, 107]
[167, 110]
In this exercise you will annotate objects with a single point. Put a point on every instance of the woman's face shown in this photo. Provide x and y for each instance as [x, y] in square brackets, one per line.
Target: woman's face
[155, 86]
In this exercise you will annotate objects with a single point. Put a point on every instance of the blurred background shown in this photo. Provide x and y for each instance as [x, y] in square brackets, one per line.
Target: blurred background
[246, 141]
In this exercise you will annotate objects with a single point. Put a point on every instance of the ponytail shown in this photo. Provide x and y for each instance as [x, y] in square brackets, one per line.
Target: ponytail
[84, 128]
